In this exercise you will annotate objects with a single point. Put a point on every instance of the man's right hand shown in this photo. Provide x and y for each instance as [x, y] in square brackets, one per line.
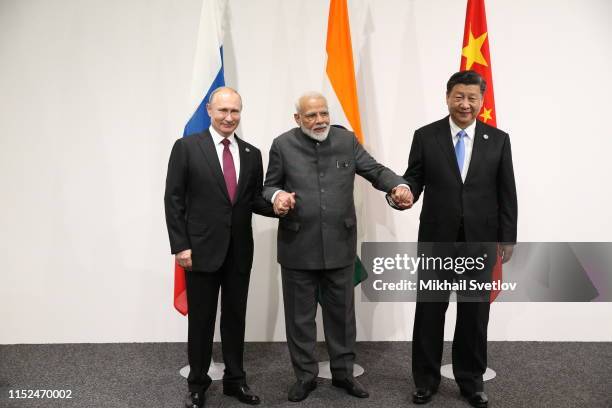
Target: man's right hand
[283, 202]
[183, 258]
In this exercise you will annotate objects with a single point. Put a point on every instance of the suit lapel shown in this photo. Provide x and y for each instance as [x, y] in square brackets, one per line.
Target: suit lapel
[443, 136]
[479, 148]
[207, 145]
[245, 163]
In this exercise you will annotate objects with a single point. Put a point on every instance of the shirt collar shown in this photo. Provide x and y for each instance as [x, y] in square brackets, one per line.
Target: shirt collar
[470, 130]
[217, 138]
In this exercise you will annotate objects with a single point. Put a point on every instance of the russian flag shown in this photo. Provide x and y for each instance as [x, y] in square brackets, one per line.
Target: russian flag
[207, 76]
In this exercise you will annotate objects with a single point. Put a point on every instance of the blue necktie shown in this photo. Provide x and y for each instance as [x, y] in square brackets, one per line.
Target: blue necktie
[460, 150]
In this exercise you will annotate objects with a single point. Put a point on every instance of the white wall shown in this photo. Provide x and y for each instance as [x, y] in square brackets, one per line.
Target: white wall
[93, 94]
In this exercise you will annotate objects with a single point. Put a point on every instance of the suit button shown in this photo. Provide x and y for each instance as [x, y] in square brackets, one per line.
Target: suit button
[321, 174]
[323, 207]
[322, 190]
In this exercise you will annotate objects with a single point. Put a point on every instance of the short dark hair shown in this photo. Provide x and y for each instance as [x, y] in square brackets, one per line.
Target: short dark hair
[466, 78]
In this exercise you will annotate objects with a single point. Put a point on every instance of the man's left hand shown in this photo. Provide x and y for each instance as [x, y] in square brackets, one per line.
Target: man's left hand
[505, 251]
[402, 197]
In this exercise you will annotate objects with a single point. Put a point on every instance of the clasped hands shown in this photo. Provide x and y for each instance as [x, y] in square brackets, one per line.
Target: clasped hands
[402, 197]
[283, 202]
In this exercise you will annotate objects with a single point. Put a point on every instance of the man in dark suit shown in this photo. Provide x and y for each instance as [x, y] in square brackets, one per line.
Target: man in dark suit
[213, 186]
[465, 169]
[310, 178]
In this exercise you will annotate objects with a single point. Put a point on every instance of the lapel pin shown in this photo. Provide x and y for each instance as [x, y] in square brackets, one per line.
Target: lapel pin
[486, 137]
[246, 149]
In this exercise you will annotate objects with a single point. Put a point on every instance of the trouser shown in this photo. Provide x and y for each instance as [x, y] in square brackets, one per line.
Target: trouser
[202, 296]
[469, 352]
[469, 344]
[335, 291]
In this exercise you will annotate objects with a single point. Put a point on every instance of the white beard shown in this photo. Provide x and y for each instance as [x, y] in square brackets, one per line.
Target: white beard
[319, 137]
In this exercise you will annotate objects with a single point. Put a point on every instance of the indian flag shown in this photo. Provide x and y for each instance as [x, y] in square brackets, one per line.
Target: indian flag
[341, 92]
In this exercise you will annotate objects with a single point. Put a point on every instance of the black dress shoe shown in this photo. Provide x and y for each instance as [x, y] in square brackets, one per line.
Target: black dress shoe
[422, 395]
[194, 400]
[351, 386]
[477, 399]
[301, 389]
[242, 392]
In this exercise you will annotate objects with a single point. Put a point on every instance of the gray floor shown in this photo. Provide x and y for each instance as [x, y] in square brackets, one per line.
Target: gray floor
[530, 374]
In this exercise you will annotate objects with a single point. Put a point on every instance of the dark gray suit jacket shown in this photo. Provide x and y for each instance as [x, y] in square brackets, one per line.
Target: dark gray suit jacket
[321, 232]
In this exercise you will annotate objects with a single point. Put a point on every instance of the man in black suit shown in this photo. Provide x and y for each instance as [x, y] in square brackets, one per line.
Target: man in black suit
[213, 186]
[465, 169]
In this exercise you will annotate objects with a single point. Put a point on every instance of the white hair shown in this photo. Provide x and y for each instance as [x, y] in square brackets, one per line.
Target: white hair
[308, 95]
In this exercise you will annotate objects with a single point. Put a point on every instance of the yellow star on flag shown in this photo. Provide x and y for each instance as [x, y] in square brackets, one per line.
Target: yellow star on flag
[473, 51]
[486, 114]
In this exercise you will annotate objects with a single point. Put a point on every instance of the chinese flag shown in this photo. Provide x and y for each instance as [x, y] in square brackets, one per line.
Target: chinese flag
[475, 56]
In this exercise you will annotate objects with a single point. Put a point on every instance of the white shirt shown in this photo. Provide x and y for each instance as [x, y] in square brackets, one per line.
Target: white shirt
[468, 141]
[233, 147]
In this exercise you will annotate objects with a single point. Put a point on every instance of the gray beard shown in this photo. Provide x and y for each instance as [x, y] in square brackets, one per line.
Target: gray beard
[318, 137]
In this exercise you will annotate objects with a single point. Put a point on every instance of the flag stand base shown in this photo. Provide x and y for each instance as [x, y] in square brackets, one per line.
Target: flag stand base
[325, 371]
[215, 371]
[447, 372]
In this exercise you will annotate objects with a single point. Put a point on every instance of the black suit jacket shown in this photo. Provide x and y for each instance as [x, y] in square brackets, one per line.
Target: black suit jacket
[199, 213]
[486, 203]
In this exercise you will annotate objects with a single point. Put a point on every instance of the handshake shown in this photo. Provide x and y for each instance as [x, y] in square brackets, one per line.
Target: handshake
[283, 202]
[400, 197]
